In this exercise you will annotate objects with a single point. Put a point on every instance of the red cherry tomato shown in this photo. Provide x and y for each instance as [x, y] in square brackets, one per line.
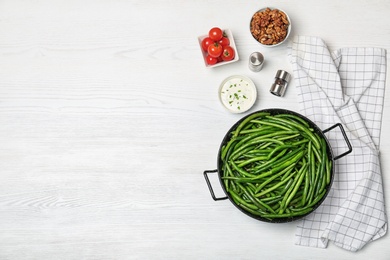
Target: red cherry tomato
[224, 41]
[211, 60]
[228, 53]
[215, 50]
[206, 42]
[215, 34]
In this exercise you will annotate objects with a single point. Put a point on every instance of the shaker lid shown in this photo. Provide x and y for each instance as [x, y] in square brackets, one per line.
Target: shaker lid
[256, 61]
[283, 75]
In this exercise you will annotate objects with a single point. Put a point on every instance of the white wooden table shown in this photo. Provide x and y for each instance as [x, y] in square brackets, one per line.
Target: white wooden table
[108, 119]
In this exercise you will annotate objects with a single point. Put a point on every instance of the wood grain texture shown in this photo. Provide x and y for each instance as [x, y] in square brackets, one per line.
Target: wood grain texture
[108, 119]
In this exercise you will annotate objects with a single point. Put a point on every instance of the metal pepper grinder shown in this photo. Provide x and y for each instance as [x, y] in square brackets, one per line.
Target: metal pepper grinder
[278, 88]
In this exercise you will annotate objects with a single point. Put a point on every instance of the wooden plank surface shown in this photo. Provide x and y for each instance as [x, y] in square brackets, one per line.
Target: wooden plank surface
[108, 119]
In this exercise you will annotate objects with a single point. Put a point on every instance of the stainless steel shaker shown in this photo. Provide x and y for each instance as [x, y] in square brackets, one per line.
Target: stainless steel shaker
[256, 61]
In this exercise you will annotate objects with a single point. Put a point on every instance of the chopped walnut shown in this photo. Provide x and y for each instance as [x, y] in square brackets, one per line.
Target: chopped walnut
[269, 27]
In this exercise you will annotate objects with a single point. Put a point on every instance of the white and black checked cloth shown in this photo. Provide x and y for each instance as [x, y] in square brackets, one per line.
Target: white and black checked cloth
[346, 86]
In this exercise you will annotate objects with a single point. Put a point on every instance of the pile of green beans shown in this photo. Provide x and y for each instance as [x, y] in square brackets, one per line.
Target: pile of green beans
[275, 166]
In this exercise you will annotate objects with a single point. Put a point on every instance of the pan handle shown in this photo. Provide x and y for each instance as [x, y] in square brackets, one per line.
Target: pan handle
[345, 138]
[209, 184]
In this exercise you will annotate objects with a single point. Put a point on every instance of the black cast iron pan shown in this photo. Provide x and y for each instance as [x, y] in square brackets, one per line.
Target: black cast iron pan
[276, 111]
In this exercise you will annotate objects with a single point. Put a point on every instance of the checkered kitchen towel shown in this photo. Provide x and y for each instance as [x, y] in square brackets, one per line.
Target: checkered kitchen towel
[346, 86]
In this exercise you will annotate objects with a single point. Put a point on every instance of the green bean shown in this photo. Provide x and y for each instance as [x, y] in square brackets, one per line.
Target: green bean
[296, 202]
[300, 127]
[271, 199]
[296, 186]
[288, 185]
[263, 134]
[241, 179]
[313, 186]
[248, 119]
[297, 118]
[248, 126]
[288, 169]
[260, 203]
[274, 170]
[256, 141]
[291, 155]
[224, 172]
[317, 153]
[256, 130]
[277, 148]
[250, 197]
[255, 153]
[258, 158]
[251, 186]
[279, 126]
[274, 187]
[323, 167]
[317, 199]
[328, 171]
[312, 163]
[242, 152]
[232, 187]
[295, 157]
[251, 160]
[322, 178]
[313, 203]
[227, 147]
[266, 164]
[228, 171]
[240, 170]
[306, 186]
[288, 215]
[300, 142]
[239, 200]
[288, 137]
[262, 152]
[257, 212]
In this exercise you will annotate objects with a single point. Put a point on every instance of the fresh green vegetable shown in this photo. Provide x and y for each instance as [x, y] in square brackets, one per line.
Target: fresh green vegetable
[276, 166]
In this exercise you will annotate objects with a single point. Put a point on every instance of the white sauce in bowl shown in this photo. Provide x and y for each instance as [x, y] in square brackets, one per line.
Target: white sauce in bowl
[237, 93]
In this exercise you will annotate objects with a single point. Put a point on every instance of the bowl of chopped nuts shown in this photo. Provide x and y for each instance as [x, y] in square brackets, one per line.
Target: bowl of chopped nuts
[270, 26]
